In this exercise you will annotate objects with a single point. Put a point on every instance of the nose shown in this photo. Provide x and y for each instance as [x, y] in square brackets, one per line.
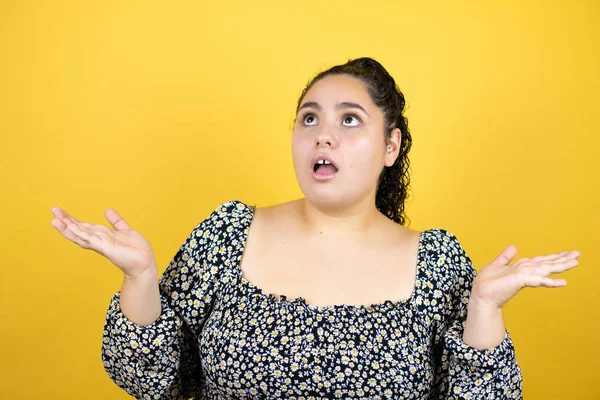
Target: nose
[326, 138]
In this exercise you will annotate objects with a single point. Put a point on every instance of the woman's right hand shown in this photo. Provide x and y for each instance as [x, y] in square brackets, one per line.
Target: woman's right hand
[123, 246]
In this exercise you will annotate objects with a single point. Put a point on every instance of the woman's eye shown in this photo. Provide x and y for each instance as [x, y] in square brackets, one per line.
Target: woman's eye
[310, 119]
[351, 120]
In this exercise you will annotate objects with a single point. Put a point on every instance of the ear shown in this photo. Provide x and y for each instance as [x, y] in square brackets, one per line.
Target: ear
[393, 147]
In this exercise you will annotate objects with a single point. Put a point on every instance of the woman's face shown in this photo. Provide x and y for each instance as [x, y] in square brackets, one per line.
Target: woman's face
[338, 118]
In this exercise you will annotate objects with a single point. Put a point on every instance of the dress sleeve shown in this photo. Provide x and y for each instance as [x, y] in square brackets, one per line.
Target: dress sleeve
[462, 371]
[161, 360]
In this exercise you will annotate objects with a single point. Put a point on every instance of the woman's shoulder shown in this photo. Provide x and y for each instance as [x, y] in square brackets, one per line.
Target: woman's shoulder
[228, 217]
[232, 208]
[445, 257]
[439, 238]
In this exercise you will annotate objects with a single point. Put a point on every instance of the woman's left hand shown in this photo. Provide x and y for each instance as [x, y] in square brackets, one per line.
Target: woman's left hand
[498, 282]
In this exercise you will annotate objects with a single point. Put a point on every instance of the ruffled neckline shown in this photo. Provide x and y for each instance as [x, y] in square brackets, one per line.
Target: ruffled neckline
[300, 303]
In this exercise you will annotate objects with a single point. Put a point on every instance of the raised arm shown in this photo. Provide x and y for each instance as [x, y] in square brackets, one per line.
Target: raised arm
[149, 351]
[462, 370]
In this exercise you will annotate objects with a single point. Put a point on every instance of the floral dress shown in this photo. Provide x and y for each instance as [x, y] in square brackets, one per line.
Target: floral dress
[221, 337]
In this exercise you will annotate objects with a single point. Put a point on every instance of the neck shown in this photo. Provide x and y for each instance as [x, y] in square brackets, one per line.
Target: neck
[353, 222]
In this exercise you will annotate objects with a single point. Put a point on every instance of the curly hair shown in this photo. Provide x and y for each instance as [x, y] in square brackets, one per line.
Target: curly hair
[394, 181]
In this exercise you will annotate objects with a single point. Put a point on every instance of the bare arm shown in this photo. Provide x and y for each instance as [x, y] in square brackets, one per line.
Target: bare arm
[140, 297]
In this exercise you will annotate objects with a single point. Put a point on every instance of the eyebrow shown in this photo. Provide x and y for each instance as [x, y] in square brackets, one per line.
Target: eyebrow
[339, 106]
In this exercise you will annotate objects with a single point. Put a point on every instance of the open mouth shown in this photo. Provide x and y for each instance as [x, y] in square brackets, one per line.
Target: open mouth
[324, 169]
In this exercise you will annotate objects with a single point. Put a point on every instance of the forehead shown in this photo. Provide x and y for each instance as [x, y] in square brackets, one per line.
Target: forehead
[335, 89]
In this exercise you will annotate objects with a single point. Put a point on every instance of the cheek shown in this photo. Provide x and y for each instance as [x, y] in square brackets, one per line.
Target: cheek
[364, 151]
[301, 146]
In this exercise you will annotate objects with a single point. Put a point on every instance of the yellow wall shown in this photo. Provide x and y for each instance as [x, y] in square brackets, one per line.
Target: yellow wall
[163, 110]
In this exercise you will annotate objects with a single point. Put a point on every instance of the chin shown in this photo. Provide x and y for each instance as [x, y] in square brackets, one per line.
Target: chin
[321, 195]
[331, 199]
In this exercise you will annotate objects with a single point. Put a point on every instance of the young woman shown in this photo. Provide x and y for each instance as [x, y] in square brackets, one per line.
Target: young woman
[325, 297]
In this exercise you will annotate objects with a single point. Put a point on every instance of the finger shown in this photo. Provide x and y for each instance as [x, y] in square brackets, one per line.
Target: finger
[555, 267]
[81, 231]
[77, 222]
[116, 220]
[506, 256]
[61, 226]
[549, 257]
[92, 237]
[549, 282]
[541, 281]
[64, 230]
[72, 220]
[567, 255]
[60, 213]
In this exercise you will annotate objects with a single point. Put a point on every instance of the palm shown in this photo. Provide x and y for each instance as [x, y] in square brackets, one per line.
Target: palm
[498, 282]
[123, 246]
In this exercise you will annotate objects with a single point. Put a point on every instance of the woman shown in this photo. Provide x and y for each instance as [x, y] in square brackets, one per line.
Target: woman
[333, 297]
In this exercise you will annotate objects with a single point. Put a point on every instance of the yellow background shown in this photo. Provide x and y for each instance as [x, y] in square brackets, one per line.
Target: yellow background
[164, 110]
